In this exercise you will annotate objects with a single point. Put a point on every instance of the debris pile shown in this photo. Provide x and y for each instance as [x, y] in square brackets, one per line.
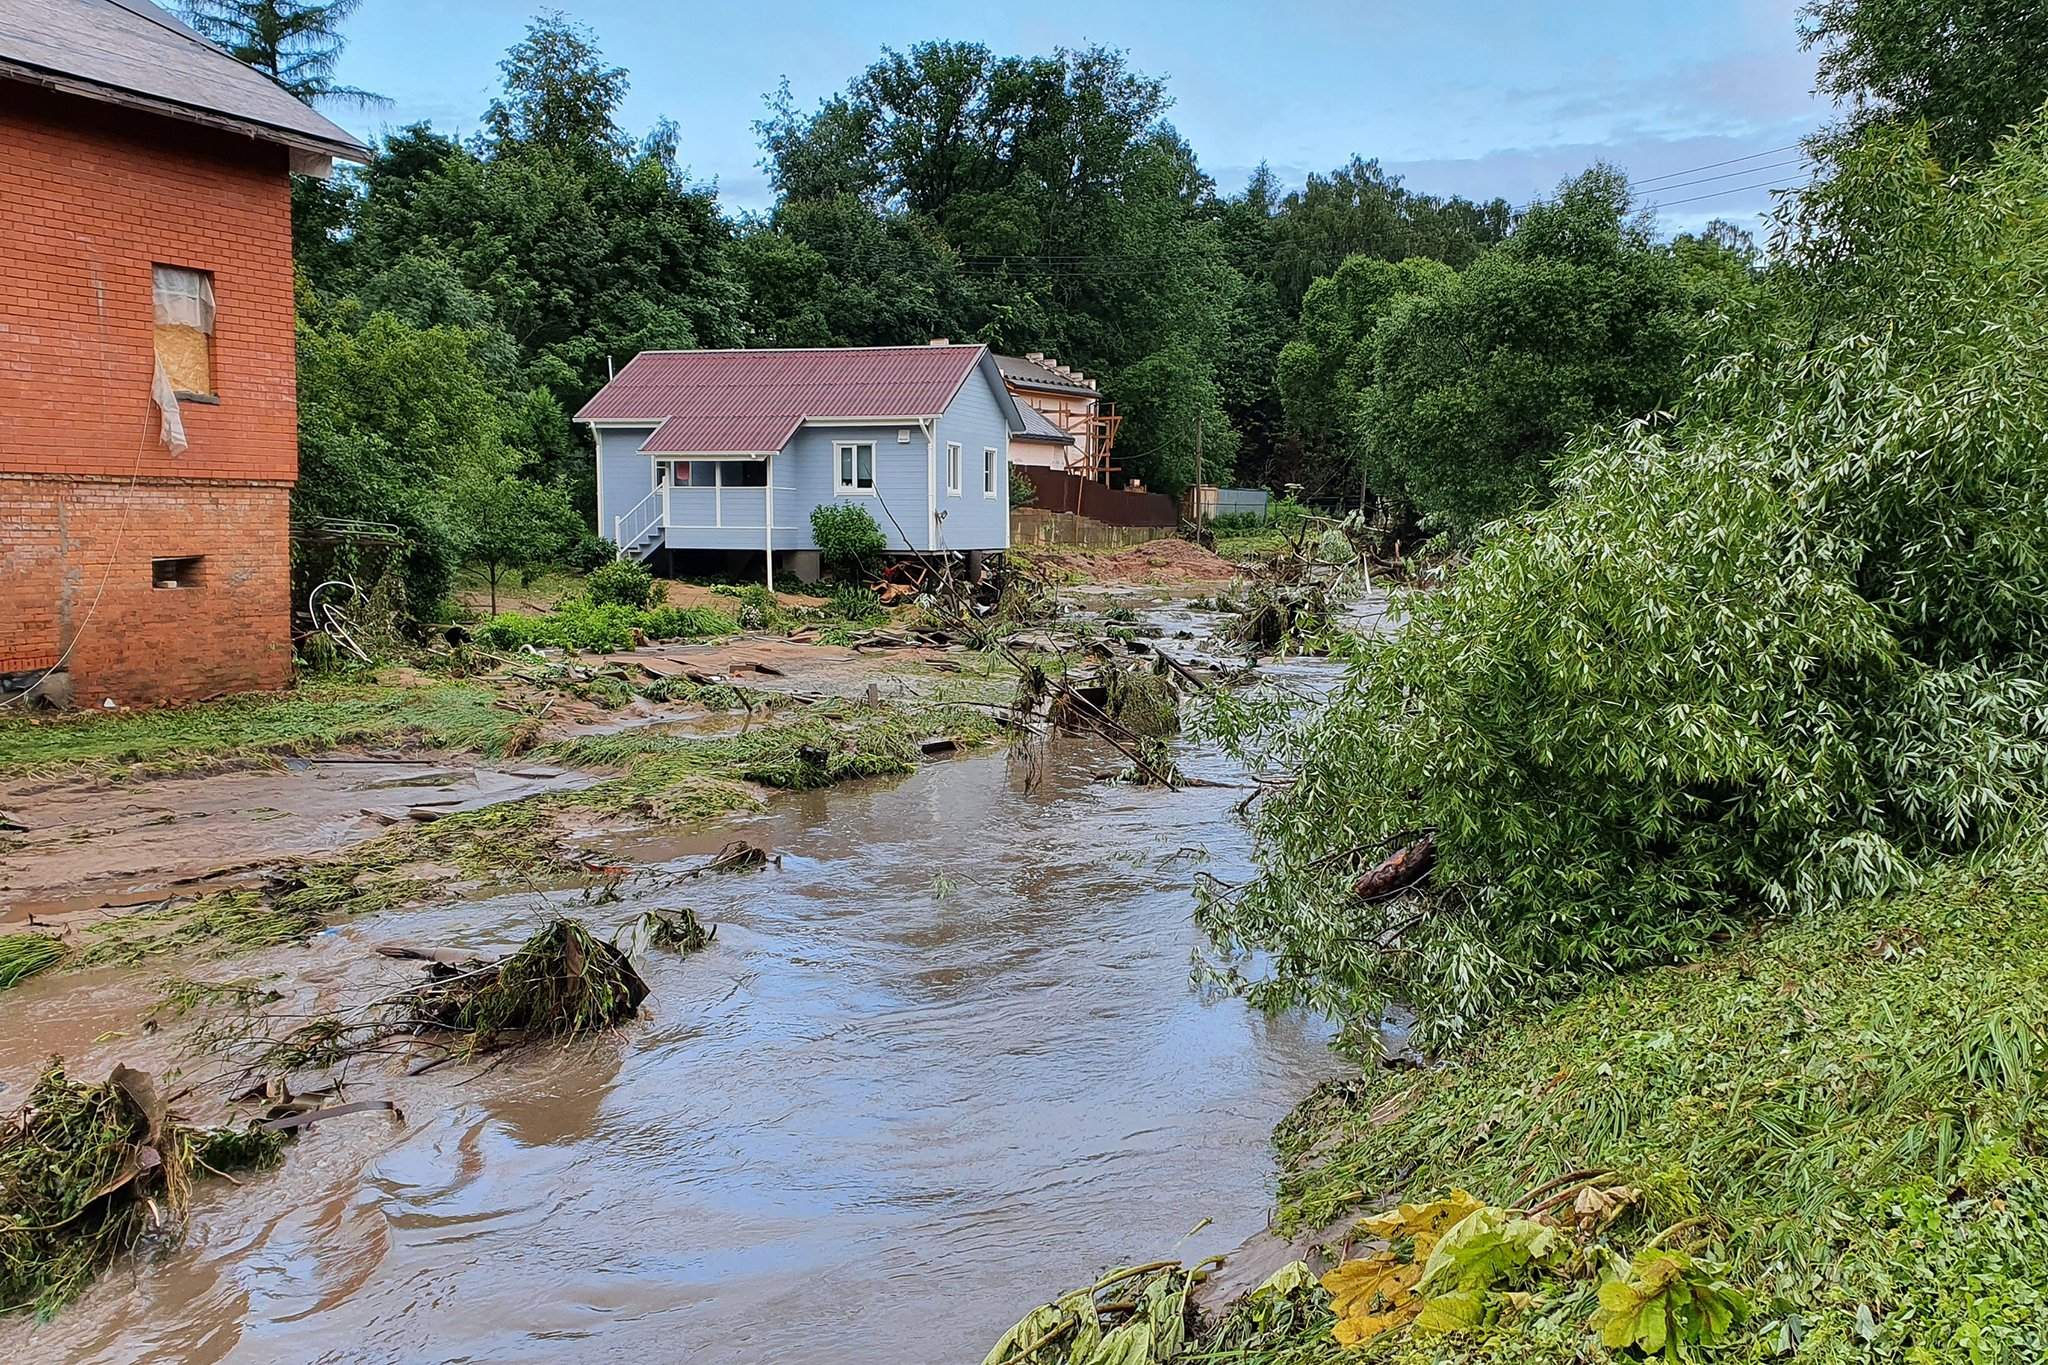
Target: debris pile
[679, 931]
[1137, 1315]
[1275, 616]
[561, 983]
[89, 1173]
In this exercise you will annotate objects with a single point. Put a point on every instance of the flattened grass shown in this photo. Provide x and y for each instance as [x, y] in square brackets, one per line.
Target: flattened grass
[307, 719]
[24, 955]
[1851, 1106]
[666, 776]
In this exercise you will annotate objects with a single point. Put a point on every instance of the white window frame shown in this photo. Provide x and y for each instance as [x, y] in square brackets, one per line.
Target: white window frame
[952, 469]
[989, 480]
[839, 484]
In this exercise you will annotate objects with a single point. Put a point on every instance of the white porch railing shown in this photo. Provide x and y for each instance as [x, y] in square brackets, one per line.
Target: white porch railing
[638, 532]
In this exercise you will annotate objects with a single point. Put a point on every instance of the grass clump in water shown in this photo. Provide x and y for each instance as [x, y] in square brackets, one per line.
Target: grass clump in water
[24, 955]
[90, 1173]
[677, 931]
[562, 983]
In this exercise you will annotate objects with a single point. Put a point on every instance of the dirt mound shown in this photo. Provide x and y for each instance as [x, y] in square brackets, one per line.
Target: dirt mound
[1158, 561]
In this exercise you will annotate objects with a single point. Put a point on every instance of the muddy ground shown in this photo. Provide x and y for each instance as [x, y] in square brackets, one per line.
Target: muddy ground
[944, 1053]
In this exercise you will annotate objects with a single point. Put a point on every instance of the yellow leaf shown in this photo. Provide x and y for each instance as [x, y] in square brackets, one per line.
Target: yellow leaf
[1375, 1294]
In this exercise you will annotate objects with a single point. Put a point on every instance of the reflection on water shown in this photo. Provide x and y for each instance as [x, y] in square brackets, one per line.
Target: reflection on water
[875, 1122]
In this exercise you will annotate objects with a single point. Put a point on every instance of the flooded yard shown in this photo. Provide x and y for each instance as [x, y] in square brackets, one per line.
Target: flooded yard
[942, 1057]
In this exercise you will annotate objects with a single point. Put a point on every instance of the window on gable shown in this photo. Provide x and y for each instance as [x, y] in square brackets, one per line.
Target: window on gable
[184, 330]
[856, 472]
[988, 471]
[953, 468]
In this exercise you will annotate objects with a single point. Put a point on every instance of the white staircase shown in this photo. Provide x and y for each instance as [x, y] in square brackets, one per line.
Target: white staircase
[640, 532]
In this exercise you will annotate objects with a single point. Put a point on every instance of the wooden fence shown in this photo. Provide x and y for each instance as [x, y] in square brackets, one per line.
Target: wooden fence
[1062, 492]
[1036, 526]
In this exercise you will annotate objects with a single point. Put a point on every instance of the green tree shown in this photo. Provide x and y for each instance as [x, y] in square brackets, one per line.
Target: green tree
[1036, 203]
[393, 419]
[1971, 68]
[1578, 317]
[1323, 374]
[1167, 401]
[556, 239]
[512, 523]
[559, 95]
[1769, 653]
[1360, 210]
[296, 44]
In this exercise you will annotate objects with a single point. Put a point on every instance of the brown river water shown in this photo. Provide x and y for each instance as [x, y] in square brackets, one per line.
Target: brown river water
[877, 1121]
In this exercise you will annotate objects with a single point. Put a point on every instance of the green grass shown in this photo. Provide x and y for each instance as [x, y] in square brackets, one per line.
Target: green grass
[24, 955]
[307, 719]
[1847, 1110]
[1245, 544]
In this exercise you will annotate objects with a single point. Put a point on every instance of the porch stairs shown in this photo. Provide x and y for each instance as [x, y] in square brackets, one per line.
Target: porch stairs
[640, 532]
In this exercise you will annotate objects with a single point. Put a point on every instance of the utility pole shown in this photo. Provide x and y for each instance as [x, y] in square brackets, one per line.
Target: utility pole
[1198, 470]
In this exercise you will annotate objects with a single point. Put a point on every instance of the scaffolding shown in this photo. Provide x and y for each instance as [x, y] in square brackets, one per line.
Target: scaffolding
[1094, 433]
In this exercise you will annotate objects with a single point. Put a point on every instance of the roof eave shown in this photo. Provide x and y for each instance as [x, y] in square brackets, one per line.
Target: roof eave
[345, 149]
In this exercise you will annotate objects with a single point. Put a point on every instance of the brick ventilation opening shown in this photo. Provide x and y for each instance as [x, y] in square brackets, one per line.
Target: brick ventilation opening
[185, 572]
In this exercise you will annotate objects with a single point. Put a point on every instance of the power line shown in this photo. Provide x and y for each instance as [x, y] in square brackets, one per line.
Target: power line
[1717, 194]
[1717, 165]
[1725, 175]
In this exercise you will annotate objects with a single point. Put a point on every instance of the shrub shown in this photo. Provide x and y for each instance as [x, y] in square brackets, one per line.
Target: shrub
[856, 603]
[1764, 658]
[589, 551]
[624, 583]
[686, 623]
[848, 538]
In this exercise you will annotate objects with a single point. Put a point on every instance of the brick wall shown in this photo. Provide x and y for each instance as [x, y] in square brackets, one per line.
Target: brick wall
[94, 198]
[79, 563]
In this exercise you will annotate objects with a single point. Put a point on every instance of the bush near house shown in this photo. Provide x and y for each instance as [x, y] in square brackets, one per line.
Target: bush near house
[624, 583]
[848, 538]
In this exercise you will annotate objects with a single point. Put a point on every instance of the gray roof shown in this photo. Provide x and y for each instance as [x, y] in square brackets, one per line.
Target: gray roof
[1030, 374]
[1038, 427]
[130, 53]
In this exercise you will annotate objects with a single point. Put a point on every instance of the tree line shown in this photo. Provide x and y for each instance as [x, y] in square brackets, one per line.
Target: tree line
[1362, 339]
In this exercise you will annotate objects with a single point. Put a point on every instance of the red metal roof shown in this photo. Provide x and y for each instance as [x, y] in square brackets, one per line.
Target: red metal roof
[747, 402]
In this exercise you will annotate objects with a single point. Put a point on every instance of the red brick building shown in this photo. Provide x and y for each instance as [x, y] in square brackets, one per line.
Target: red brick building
[148, 404]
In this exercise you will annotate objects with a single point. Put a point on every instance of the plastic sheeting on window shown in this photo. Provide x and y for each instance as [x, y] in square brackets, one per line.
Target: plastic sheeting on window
[184, 329]
[172, 432]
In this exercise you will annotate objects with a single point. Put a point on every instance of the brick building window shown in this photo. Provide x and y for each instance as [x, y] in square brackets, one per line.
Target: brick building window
[185, 571]
[184, 330]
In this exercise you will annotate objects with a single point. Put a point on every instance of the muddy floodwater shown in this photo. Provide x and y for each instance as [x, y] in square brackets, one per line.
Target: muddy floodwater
[942, 1063]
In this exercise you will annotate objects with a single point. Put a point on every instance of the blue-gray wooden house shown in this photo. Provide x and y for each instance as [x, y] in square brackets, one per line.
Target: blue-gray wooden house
[729, 451]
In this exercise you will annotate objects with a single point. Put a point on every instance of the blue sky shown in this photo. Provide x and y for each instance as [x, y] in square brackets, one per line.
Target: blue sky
[1480, 97]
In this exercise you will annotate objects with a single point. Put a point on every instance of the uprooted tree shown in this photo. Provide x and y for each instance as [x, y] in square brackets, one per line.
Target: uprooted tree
[1767, 655]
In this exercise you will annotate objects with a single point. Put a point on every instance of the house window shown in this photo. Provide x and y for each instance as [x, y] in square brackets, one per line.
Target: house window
[988, 471]
[953, 468]
[856, 473]
[181, 572]
[184, 330]
[744, 473]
